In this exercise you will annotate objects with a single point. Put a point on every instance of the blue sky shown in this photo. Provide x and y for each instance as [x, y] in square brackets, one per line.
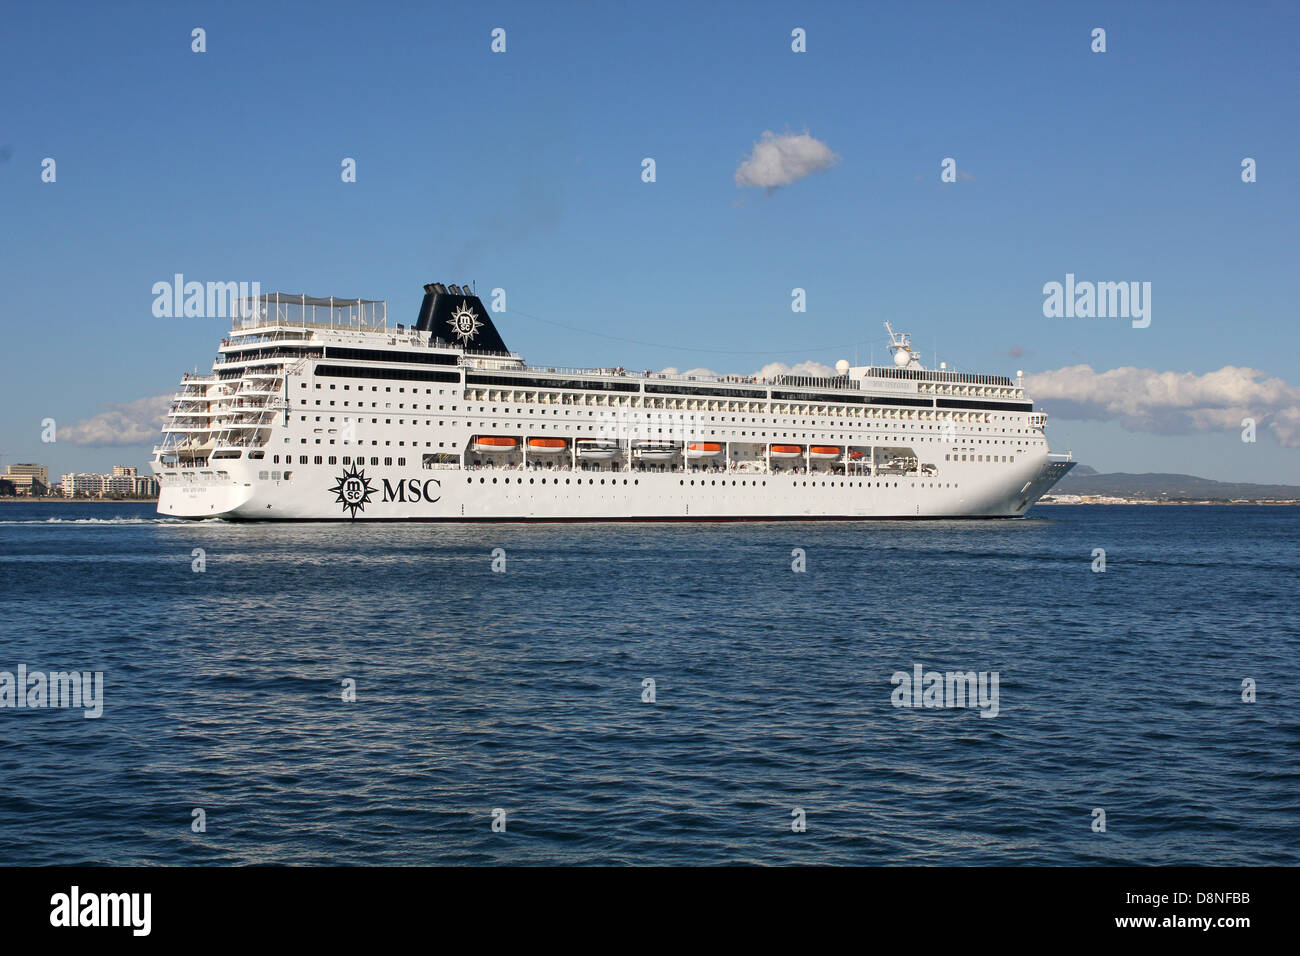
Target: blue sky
[522, 170]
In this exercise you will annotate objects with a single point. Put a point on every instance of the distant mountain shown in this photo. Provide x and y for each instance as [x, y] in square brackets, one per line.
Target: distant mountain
[1083, 480]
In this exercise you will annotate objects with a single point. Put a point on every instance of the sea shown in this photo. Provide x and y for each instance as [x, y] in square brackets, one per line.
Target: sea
[653, 694]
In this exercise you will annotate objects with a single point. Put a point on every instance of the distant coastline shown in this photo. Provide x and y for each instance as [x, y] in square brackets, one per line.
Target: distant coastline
[78, 501]
[1070, 500]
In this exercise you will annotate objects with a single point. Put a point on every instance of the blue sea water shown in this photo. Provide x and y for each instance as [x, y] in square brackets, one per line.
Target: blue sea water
[522, 690]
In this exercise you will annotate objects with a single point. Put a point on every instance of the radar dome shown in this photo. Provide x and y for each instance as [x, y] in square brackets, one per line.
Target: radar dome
[902, 358]
[842, 367]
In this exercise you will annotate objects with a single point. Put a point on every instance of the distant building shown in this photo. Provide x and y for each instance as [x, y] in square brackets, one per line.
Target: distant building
[82, 485]
[124, 482]
[28, 479]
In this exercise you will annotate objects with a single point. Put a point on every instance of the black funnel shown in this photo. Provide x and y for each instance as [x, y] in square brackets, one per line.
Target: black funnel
[458, 319]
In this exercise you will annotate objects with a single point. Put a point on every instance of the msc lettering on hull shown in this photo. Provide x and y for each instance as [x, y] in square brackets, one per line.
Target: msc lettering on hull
[412, 489]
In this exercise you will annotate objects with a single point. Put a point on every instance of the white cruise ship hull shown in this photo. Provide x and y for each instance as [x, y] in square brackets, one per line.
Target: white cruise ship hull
[455, 494]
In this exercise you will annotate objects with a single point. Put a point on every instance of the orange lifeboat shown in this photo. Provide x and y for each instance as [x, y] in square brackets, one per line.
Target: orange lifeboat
[494, 443]
[824, 451]
[787, 451]
[703, 449]
[855, 455]
[547, 446]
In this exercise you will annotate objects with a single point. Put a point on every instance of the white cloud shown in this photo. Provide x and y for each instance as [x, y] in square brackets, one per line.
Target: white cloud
[815, 369]
[127, 423]
[768, 371]
[698, 372]
[1172, 403]
[781, 160]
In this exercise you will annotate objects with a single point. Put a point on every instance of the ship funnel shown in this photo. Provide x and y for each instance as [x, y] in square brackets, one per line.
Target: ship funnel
[455, 316]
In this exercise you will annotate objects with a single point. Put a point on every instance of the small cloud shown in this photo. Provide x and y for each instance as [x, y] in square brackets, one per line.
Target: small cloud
[128, 423]
[781, 160]
[697, 372]
[1017, 352]
[768, 371]
[813, 369]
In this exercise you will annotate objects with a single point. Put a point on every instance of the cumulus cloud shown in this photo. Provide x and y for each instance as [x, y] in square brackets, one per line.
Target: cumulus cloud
[781, 160]
[1172, 403]
[699, 372]
[127, 423]
[768, 371]
[815, 369]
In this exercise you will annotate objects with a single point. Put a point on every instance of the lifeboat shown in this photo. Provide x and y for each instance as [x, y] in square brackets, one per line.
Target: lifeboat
[703, 449]
[855, 455]
[596, 449]
[654, 450]
[824, 452]
[494, 444]
[786, 451]
[547, 446]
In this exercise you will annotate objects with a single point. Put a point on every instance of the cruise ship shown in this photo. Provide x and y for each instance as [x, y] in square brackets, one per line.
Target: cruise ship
[315, 409]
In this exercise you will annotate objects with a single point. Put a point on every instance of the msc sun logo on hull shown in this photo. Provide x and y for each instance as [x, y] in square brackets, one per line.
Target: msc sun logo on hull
[354, 490]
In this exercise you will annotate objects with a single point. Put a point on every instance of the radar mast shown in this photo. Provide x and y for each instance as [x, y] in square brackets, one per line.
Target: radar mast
[900, 343]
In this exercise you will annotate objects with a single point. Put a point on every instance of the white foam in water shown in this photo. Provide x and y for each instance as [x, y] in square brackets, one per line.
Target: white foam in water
[104, 521]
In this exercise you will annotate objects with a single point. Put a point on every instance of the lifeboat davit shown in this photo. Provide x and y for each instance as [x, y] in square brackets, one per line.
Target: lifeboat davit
[596, 449]
[787, 451]
[703, 449]
[824, 452]
[494, 444]
[654, 450]
[547, 446]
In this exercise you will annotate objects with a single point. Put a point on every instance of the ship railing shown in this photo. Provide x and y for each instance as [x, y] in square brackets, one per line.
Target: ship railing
[298, 310]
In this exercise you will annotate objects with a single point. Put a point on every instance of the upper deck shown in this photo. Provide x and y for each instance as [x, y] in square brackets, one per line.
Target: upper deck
[310, 325]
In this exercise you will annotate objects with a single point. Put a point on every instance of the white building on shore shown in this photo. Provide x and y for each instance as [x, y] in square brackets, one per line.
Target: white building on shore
[125, 482]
